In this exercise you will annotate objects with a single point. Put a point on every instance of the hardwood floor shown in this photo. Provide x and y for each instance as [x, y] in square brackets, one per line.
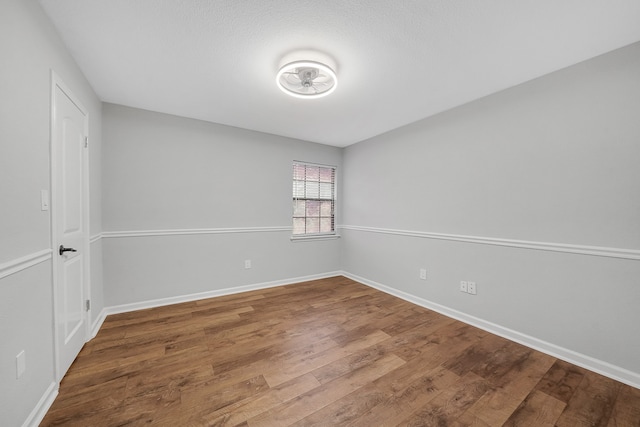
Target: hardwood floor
[330, 352]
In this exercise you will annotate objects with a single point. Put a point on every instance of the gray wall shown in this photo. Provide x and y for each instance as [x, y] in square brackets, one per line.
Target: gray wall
[30, 48]
[165, 173]
[554, 160]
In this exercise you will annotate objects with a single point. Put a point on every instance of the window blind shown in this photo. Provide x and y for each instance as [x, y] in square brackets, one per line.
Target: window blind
[314, 197]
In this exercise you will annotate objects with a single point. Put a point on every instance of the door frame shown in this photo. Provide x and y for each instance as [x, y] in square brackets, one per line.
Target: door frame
[56, 82]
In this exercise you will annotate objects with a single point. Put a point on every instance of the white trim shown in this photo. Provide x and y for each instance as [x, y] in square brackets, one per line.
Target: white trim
[16, 265]
[324, 236]
[312, 237]
[97, 324]
[125, 308]
[322, 165]
[188, 231]
[604, 368]
[57, 82]
[37, 414]
[525, 244]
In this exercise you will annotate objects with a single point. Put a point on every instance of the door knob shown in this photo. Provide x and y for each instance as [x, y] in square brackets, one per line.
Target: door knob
[62, 250]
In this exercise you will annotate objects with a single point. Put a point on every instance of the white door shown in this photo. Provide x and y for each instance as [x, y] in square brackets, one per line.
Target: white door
[69, 224]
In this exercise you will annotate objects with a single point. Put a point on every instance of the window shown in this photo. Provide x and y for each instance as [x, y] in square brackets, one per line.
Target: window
[314, 199]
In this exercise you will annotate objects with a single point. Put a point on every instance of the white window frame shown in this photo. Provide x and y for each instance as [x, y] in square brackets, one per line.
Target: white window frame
[323, 235]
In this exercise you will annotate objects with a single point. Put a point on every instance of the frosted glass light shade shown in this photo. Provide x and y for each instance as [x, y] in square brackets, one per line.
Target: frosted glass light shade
[306, 79]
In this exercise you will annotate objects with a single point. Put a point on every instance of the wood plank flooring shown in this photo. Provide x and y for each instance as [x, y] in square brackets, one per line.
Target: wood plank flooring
[330, 352]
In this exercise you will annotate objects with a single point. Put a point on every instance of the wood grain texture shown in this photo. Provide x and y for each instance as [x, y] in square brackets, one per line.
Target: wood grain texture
[329, 352]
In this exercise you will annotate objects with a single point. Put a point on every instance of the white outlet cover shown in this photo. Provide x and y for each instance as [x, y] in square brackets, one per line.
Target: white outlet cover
[423, 273]
[463, 286]
[21, 364]
[471, 288]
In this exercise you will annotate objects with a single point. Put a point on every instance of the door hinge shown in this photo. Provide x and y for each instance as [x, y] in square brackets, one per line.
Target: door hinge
[88, 304]
[86, 141]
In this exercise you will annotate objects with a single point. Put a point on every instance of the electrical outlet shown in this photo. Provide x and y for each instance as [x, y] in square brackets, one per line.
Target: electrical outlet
[247, 263]
[423, 274]
[463, 286]
[471, 288]
[21, 364]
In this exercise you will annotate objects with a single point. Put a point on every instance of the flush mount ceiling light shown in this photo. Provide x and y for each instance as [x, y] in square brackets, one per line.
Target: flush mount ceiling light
[307, 79]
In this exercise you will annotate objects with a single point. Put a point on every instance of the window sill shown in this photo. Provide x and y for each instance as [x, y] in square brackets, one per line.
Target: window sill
[313, 238]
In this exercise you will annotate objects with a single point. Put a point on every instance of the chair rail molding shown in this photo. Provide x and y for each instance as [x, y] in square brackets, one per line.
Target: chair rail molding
[601, 251]
[188, 231]
[16, 265]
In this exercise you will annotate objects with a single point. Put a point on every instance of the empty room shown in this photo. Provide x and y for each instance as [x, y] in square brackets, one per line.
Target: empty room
[298, 213]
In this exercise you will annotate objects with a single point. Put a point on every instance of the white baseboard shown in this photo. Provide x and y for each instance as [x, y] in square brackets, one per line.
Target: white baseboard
[124, 308]
[604, 368]
[45, 402]
[97, 324]
[601, 367]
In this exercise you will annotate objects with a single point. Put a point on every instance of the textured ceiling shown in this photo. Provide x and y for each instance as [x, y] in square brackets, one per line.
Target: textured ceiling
[397, 61]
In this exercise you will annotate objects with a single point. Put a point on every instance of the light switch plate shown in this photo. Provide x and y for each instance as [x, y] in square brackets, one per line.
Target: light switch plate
[44, 200]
